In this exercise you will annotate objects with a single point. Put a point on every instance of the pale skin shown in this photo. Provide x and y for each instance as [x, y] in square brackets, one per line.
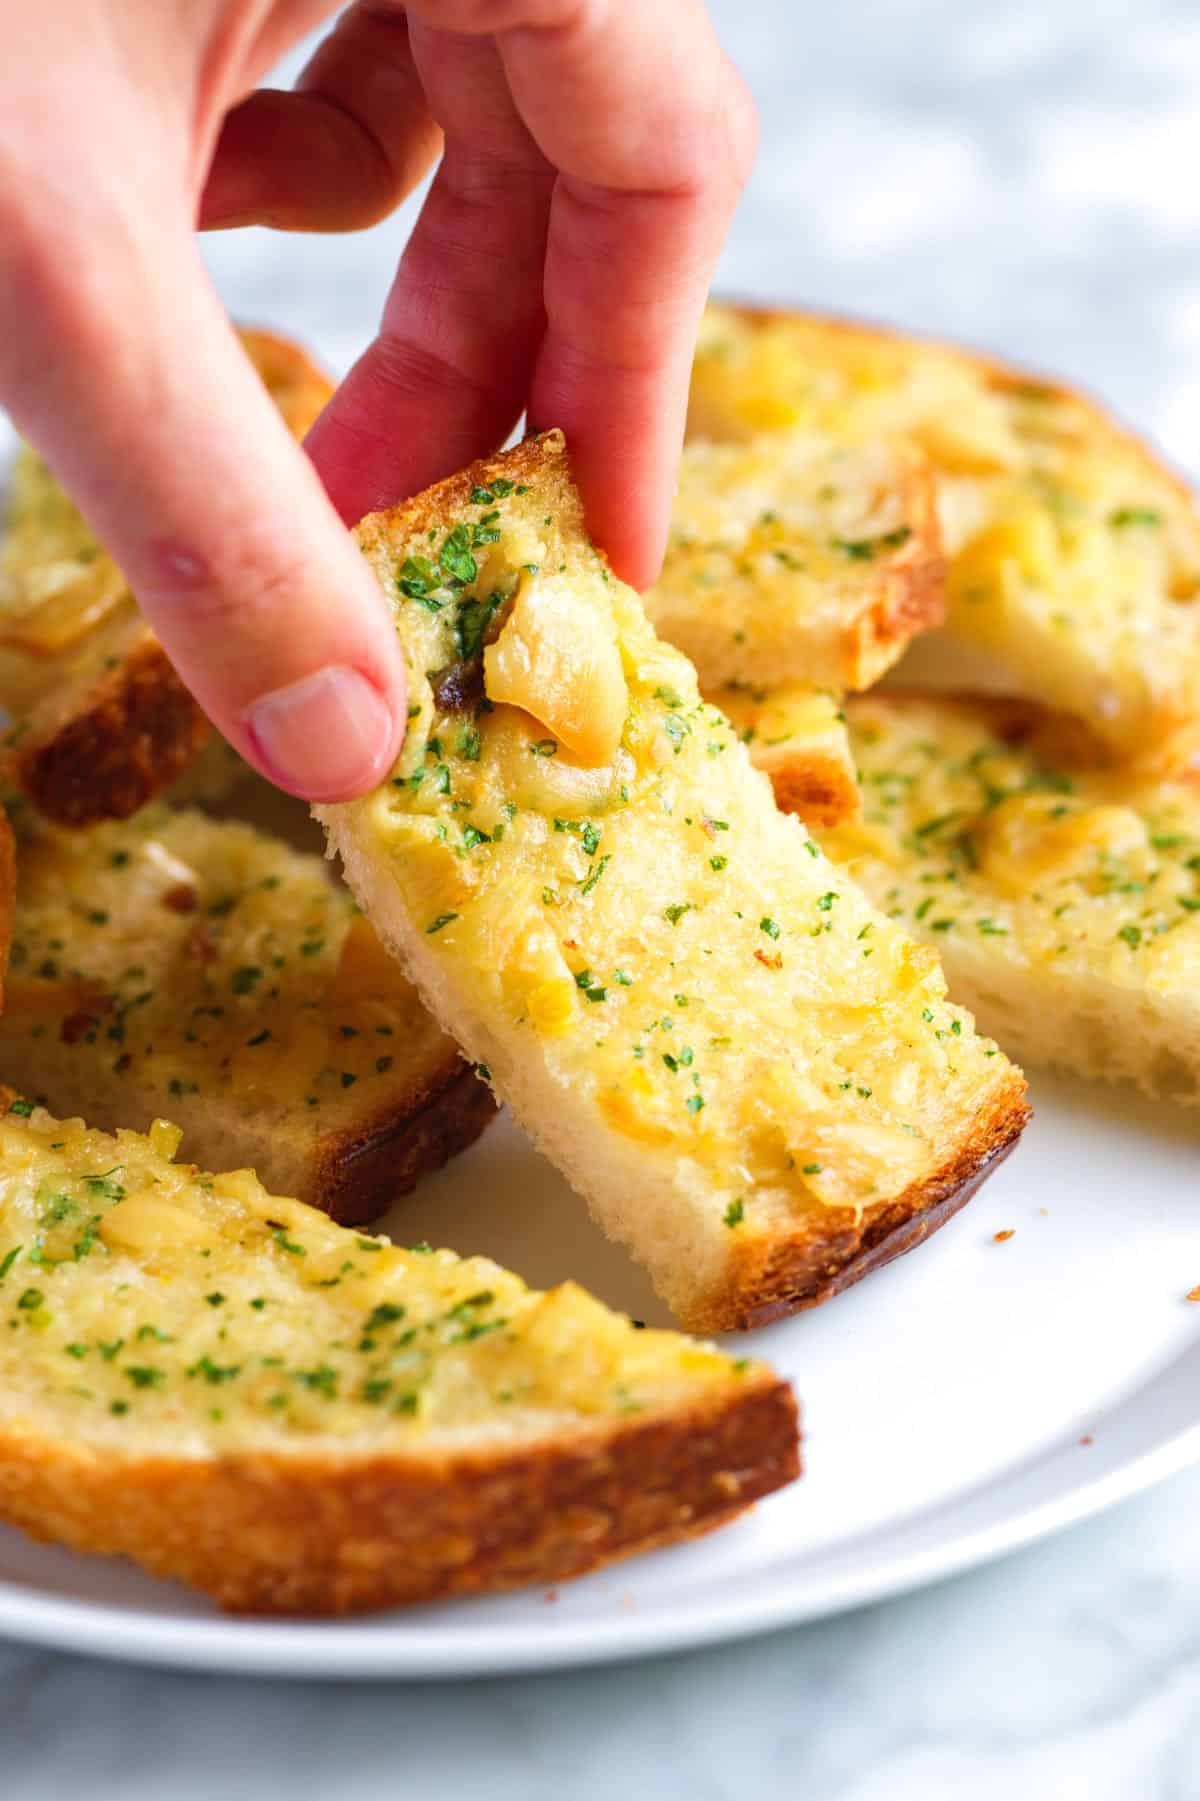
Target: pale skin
[592, 154]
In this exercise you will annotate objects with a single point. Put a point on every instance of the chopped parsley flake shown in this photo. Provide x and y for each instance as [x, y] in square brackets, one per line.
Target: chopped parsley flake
[418, 579]
[143, 1376]
[864, 549]
[590, 882]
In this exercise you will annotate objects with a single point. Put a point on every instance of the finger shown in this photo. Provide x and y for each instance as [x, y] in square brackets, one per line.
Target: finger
[118, 362]
[653, 147]
[338, 154]
[625, 284]
[449, 373]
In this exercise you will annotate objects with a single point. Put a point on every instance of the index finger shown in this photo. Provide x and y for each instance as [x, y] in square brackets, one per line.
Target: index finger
[653, 134]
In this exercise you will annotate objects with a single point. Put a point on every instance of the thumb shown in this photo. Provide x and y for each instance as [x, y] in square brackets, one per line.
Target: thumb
[126, 374]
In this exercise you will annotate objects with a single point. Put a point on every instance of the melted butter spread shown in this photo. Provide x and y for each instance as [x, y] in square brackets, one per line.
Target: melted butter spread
[973, 832]
[198, 958]
[777, 549]
[138, 1295]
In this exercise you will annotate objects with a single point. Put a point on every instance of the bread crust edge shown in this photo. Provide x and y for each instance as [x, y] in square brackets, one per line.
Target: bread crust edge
[320, 1535]
[356, 1175]
[774, 1278]
[909, 597]
[138, 729]
[819, 788]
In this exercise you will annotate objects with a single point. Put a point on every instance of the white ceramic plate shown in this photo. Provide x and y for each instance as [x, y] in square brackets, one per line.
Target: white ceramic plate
[968, 1399]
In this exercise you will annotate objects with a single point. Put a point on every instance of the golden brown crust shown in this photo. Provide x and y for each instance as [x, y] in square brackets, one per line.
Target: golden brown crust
[319, 1535]
[779, 1275]
[535, 459]
[8, 894]
[136, 731]
[822, 790]
[355, 1176]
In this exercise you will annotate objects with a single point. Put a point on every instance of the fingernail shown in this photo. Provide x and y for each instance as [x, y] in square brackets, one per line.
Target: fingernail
[328, 737]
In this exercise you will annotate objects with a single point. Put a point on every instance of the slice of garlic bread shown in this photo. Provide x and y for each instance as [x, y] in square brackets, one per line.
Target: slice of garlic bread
[1074, 552]
[755, 1079]
[797, 735]
[102, 722]
[177, 963]
[796, 558]
[238, 1394]
[1063, 899]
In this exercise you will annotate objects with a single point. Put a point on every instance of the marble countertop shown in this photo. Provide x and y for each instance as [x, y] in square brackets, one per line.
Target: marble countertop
[1023, 176]
[1066, 1673]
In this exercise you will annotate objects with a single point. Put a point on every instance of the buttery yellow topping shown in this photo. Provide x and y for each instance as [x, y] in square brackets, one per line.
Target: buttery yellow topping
[56, 582]
[199, 957]
[975, 828]
[778, 718]
[777, 549]
[139, 1295]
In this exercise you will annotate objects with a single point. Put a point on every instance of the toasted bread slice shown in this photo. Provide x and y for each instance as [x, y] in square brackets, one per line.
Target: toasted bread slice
[236, 1393]
[1064, 899]
[754, 1078]
[103, 723]
[177, 963]
[1074, 573]
[794, 558]
[797, 735]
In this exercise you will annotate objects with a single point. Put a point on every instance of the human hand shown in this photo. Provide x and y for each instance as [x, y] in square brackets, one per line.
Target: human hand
[593, 156]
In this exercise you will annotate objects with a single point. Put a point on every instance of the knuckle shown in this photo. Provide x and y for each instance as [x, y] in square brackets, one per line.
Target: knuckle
[404, 370]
